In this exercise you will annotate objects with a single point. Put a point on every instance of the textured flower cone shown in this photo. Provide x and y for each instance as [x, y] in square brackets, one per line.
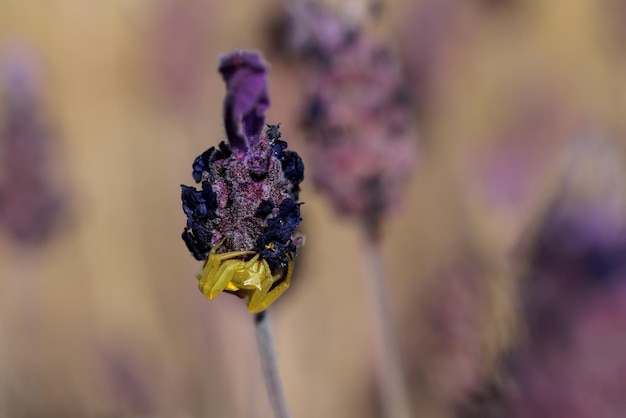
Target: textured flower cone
[242, 219]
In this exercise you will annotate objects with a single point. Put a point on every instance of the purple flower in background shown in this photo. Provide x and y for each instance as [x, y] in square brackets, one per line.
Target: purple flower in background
[579, 246]
[249, 186]
[29, 204]
[569, 360]
[357, 117]
[358, 124]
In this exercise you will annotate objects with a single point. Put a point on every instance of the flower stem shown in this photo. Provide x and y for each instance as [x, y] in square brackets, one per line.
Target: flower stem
[270, 365]
[394, 393]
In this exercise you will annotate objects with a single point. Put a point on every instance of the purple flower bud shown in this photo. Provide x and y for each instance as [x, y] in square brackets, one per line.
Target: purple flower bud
[248, 197]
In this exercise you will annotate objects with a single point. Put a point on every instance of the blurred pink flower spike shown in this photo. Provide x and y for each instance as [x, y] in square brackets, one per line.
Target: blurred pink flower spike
[571, 361]
[30, 206]
[357, 116]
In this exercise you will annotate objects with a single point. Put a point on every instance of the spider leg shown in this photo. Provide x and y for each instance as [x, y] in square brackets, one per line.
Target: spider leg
[209, 266]
[261, 300]
[206, 274]
[233, 254]
[257, 297]
[280, 288]
[220, 280]
[209, 274]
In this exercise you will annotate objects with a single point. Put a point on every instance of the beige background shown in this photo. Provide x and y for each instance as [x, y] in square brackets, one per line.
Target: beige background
[105, 319]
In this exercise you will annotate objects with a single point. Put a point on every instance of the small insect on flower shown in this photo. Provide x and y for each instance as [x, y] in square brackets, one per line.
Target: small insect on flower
[242, 221]
[228, 272]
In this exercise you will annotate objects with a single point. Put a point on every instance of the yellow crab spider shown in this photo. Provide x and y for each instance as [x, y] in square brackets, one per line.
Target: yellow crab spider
[253, 278]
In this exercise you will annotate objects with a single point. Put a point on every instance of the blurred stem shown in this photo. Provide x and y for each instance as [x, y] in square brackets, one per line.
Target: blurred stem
[394, 393]
[270, 365]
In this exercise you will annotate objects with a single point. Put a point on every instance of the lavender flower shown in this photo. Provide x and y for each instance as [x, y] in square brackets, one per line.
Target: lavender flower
[357, 115]
[570, 362]
[249, 186]
[579, 247]
[29, 204]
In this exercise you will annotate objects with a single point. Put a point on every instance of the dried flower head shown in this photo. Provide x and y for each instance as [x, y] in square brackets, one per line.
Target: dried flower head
[357, 116]
[247, 204]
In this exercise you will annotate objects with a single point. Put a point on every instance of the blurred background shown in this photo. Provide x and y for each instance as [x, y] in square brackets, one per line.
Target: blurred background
[503, 261]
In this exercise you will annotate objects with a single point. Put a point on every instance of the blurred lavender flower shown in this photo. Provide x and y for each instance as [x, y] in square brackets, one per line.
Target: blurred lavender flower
[357, 115]
[249, 186]
[579, 247]
[29, 204]
[570, 360]
[358, 123]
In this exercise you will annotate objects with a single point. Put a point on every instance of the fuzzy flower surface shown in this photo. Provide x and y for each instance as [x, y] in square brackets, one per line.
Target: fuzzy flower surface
[357, 116]
[247, 193]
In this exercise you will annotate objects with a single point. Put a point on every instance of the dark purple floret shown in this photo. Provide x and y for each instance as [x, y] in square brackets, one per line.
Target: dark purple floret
[224, 151]
[292, 164]
[276, 242]
[202, 162]
[210, 197]
[288, 217]
[197, 204]
[246, 98]
[198, 241]
[265, 208]
[275, 251]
